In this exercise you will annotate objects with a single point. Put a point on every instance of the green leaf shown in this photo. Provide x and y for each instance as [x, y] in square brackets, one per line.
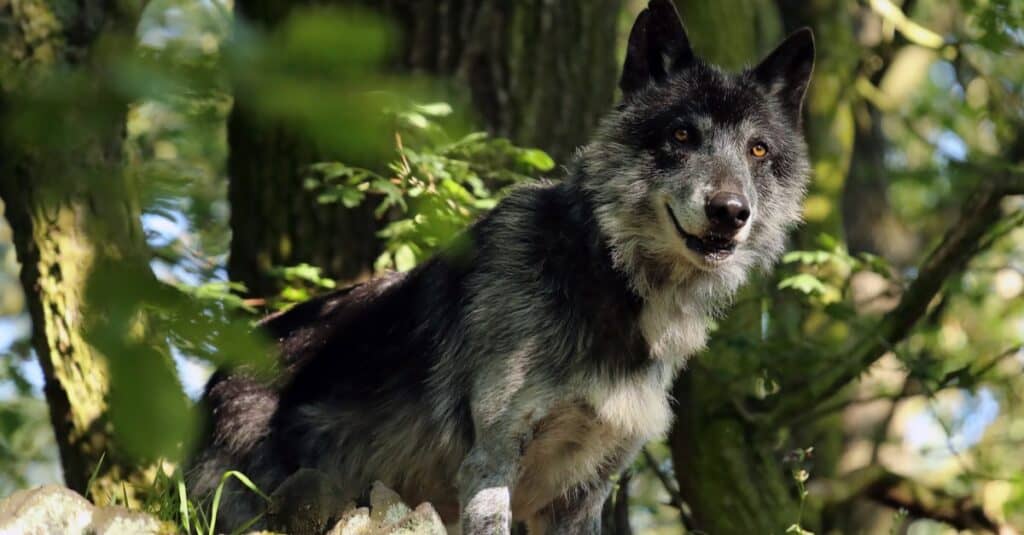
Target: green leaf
[804, 283]
[537, 159]
[435, 109]
[808, 257]
[416, 119]
[351, 197]
[828, 241]
[405, 259]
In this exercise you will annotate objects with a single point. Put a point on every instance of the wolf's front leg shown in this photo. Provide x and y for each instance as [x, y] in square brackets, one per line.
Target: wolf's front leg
[578, 512]
[485, 483]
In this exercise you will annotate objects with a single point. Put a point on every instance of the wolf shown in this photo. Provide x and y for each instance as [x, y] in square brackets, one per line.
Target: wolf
[506, 379]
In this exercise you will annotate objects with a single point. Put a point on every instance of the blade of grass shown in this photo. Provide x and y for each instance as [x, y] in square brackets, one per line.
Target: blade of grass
[183, 507]
[201, 521]
[95, 472]
[242, 478]
[244, 528]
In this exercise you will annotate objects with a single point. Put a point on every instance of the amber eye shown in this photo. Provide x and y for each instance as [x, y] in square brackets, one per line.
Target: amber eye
[759, 150]
[681, 135]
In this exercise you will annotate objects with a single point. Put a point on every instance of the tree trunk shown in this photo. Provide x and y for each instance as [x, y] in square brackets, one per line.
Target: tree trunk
[869, 224]
[539, 72]
[828, 115]
[275, 221]
[63, 226]
[728, 471]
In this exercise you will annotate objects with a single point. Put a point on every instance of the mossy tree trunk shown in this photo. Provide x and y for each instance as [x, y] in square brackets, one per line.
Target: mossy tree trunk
[70, 209]
[540, 73]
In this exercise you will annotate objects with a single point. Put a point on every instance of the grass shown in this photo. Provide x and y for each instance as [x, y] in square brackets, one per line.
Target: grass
[167, 500]
[187, 512]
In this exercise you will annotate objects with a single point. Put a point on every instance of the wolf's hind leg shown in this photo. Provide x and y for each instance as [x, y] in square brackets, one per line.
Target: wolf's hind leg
[306, 503]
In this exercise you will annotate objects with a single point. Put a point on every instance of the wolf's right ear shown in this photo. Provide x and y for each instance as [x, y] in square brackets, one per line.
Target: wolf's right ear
[657, 46]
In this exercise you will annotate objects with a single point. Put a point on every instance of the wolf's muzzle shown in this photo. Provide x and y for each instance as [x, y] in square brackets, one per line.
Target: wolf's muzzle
[727, 212]
[713, 246]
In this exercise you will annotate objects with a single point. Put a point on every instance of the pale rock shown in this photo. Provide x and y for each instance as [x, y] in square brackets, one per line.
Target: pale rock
[56, 510]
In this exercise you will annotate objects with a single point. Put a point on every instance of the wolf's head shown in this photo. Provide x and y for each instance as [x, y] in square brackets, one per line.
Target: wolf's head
[698, 174]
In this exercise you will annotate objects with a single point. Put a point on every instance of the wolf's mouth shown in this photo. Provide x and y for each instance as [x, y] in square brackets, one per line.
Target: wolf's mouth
[712, 247]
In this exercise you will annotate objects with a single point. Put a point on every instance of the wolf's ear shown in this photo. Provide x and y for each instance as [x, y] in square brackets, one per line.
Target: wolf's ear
[657, 46]
[787, 70]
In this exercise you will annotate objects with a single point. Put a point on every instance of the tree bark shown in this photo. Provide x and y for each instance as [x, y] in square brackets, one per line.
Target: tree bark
[63, 226]
[539, 72]
[728, 471]
[275, 221]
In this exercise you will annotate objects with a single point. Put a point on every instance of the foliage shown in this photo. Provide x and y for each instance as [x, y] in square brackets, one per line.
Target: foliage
[437, 187]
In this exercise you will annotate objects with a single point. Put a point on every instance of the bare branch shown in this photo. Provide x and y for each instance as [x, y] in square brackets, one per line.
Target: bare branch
[893, 490]
[670, 487]
[666, 481]
[923, 502]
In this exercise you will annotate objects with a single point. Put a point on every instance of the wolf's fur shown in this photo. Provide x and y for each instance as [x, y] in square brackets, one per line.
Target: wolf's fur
[509, 377]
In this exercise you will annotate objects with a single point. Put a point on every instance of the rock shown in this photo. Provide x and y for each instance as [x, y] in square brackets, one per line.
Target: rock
[385, 505]
[48, 509]
[56, 510]
[388, 515]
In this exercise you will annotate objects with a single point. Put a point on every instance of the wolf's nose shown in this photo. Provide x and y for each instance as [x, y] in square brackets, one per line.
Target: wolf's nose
[728, 211]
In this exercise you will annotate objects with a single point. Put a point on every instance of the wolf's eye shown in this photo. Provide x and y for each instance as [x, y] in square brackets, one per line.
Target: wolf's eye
[681, 135]
[759, 150]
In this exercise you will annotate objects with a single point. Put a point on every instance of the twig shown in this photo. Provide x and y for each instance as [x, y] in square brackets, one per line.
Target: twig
[620, 512]
[675, 498]
[666, 481]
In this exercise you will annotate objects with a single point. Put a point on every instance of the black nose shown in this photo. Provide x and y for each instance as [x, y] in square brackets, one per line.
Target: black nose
[728, 211]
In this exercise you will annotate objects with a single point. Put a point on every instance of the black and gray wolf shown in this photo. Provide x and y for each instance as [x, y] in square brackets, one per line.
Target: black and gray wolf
[507, 378]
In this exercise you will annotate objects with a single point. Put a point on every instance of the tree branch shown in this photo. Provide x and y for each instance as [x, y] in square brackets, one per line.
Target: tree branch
[670, 487]
[922, 502]
[893, 490]
[666, 481]
[979, 215]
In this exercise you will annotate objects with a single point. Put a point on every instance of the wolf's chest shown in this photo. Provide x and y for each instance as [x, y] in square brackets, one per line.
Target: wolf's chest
[675, 327]
[570, 446]
[578, 441]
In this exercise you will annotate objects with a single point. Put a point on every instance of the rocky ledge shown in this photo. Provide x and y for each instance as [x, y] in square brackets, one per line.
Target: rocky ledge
[57, 510]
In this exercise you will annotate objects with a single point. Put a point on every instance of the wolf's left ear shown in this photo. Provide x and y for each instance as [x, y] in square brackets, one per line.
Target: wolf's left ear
[787, 70]
[657, 46]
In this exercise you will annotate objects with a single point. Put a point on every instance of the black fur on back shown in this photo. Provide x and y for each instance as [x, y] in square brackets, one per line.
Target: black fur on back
[396, 346]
